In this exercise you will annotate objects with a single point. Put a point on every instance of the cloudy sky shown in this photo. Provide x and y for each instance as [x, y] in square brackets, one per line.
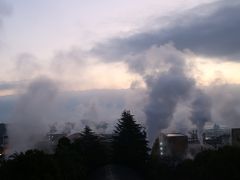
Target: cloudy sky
[83, 41]
[174, 64]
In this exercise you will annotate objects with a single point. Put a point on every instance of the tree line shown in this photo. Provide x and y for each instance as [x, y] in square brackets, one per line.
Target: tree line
[129, 147]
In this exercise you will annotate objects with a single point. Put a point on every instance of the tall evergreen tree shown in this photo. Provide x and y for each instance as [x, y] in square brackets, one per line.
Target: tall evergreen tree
[91, 149]
[130, 146]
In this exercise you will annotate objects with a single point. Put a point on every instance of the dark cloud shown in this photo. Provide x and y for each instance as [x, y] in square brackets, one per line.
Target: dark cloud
[6, 107]
[12, 85]
[210, 30]
[7, 85]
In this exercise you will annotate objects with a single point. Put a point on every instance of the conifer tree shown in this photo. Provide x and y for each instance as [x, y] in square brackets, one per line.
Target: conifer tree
[130, 146]
[90, 148]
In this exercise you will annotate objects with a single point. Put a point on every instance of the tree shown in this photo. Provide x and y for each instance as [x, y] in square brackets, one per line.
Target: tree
[69, 161]
[91, 149]
[130, 146]
[155, 153]
[33, 164]
[63, 146]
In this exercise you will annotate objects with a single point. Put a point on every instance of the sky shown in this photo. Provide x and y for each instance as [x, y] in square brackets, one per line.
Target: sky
[40, 37]
[174, 64]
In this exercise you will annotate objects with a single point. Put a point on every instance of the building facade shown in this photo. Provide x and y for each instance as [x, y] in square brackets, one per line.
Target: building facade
[173, 145]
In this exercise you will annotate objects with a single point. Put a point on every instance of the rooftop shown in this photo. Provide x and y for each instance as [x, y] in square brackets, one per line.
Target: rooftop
[174, 134]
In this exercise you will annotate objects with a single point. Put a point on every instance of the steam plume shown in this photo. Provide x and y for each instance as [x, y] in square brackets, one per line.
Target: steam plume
[33, 110]
[201, 111]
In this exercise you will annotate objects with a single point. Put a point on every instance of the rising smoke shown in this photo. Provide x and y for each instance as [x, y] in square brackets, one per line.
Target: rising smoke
[169, 84]
[34, 108]
[44, 108]
[166, 87]
[201, 111]
[166, 72]
[165, 69]
[165, 93]
[201, 33]
[225, 104]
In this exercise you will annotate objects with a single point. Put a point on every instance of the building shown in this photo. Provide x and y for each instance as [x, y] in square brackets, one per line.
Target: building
[3, 138]
[49, 142]
[53, 138]
[173, 145]
[217, 136]
[235, 137]
[74, 136]
[106, 138]
[193, 137]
